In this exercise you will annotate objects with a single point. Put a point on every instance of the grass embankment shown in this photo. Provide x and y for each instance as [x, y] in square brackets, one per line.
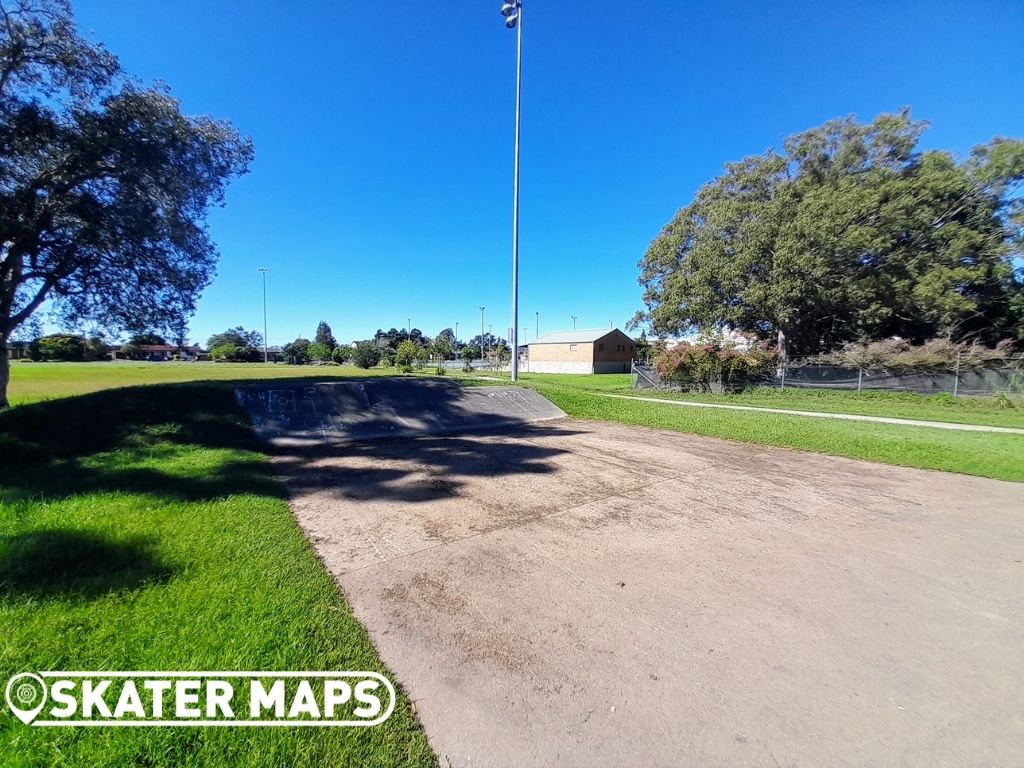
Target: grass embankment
[140, 529]
[973, 453]
[33, 382]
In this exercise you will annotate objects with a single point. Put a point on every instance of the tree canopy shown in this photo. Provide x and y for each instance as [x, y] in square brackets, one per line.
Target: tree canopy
[236, 336]
[848, 233]
[104, 184]
[325, 336]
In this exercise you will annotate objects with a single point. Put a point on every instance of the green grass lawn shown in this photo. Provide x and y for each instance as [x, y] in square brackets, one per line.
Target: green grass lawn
[990, 411]
[140, 529]
[974, 453]
[33, 382]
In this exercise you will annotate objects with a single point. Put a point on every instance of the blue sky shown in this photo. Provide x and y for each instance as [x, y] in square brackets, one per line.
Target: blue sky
[381, 189]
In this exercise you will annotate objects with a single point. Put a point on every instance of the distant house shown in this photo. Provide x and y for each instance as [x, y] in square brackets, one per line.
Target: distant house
[16, 350]
[156, 353]
[604, 350]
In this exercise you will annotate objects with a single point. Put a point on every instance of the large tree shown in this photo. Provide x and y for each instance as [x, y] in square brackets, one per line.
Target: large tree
[104, 184]
[850, 232]
[325, 336]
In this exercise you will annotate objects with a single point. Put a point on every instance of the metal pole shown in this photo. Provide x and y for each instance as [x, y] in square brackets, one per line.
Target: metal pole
[264, 271]
[860, 374]
[482, 333]
[515, 202]
[956, 376]
[456, 339]
[574, 322]
[536, 333]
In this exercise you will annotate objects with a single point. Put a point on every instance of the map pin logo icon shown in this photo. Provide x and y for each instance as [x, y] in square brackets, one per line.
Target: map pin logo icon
[26, 696]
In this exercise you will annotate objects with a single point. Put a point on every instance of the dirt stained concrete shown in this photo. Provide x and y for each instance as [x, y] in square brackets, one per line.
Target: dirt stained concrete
[588, 594]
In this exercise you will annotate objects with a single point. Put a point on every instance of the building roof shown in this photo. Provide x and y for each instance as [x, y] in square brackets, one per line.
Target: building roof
[576, 337]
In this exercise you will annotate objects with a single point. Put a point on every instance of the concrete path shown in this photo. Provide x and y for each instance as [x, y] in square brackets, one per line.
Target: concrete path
[584, 594]
[821, 415]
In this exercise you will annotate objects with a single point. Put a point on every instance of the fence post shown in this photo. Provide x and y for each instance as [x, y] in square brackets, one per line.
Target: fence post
[956, 376]
[860, 375]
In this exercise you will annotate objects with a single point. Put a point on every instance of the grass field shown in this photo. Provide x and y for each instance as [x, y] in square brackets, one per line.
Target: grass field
[33, 382]
[141, 529]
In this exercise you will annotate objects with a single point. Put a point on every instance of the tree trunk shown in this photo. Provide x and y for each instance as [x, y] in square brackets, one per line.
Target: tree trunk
[5, 371]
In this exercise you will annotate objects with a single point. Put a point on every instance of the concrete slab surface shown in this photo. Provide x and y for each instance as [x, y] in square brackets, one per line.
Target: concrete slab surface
[369, 409]
[587, 594]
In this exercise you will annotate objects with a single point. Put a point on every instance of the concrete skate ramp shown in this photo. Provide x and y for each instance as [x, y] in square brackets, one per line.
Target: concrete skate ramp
[369, 409]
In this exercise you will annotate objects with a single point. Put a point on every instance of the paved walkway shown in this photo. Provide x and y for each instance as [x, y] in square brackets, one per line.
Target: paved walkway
[820, 415]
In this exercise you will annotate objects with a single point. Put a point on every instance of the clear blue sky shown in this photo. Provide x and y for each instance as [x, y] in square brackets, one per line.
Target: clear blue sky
[381, 188]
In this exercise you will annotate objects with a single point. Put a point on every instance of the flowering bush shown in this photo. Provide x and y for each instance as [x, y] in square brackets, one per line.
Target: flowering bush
[713, 365]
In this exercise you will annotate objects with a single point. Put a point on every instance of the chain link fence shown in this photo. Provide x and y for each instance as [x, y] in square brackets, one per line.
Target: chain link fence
[800, 373]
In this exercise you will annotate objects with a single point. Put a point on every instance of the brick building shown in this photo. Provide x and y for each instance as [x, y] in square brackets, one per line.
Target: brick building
[604, 350]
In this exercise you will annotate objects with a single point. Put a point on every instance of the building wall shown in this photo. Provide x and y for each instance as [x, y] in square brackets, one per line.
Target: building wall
[562, 353]
[617, 348]
[613, 367]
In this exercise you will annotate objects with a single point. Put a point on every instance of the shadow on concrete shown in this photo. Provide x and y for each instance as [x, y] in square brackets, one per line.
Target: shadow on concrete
[367, 470]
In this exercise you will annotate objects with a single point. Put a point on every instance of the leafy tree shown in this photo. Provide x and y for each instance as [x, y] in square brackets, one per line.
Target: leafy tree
[341, 354]
[146, 339]
[391, 339]
[468, 354]
[104, 184]
[324, 336]
[61, 347]
[850, 232]
[405, 355]
[297, 352]
[488, 341]
[238, 337]
[642, 347]
[319, 352]
[365, 355]
[442, 348]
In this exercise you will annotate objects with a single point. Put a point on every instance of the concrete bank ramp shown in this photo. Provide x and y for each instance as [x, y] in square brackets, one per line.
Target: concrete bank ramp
[369, 409]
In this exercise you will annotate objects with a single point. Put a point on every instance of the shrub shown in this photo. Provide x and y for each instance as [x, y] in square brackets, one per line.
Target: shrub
[706, 365]
[365, 355]
[341, 354]
[230, 353]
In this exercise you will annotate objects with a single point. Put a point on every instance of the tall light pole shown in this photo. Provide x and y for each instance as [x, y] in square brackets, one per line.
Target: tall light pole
[536, 333]
[482, 333]
[574, 322]
[512, 10]
[456, 339]
[263, 270]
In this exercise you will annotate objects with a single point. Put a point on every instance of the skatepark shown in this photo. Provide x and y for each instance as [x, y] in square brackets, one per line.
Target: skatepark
[549, 590]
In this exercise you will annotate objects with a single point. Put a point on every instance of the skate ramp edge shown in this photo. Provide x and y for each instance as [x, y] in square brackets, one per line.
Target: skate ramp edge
[373, 409]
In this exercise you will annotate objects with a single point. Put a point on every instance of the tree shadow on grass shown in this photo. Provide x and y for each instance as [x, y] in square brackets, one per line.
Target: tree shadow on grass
[54, 449]
[72, 563]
